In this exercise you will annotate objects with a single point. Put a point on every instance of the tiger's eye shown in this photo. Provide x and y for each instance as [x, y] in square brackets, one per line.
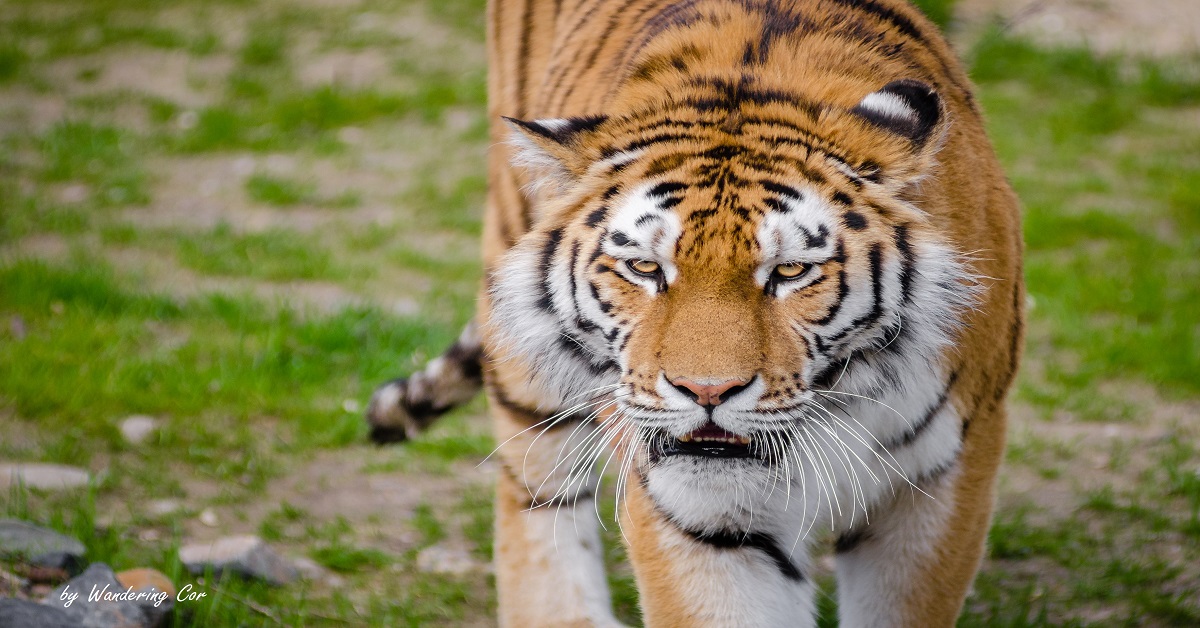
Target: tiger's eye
[645, 267]
[790, 271]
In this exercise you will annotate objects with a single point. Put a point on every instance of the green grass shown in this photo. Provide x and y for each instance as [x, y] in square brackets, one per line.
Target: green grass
[940, 11]
[279, 191]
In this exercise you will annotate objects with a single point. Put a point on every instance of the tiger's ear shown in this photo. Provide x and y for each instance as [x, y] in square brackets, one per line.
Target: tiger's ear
[907, 108]
[552, 149]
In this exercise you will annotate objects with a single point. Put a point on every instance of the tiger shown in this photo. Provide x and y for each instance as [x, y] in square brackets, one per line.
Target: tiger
[757, 262]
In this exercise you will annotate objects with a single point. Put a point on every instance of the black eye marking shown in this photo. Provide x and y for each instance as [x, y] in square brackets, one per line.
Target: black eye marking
[665, 188]
[619, 238]
[783, 190]
[597, 216]
[855, 220]
[774, 204]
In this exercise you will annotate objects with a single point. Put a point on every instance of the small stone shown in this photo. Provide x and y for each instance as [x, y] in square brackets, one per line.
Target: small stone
[43, 476]
[39, 546]
[136, 429]
[308, 569]
[209, 518]
[311, 570]
[164, 507]
[445, 560]
[152, 582]
[246, 555]
[100, 581]
[74, 194]
[26, 614]
[144, 577]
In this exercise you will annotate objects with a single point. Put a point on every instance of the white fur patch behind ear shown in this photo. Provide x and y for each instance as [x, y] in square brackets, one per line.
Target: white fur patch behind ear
[908, 108]
[887, 105]
[549, 150]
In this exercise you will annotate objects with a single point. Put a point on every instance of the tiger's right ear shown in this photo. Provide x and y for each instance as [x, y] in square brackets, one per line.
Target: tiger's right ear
[552, 149]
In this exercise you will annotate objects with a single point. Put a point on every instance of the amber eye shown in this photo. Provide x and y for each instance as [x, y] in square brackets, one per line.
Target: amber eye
[791, 271]
[643, 266]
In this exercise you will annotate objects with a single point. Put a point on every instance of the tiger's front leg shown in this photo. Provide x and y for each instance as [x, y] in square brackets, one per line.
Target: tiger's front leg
[713, 578]
[914, 564]
[548, 553]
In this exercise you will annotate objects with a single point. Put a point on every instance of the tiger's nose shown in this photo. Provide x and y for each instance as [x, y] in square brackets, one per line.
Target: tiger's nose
[710, 395]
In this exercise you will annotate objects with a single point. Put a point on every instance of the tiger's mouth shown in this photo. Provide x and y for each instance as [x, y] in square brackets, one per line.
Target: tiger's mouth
[709, 441]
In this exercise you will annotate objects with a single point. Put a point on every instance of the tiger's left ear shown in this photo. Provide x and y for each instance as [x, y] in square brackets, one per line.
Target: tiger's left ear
[907, 108]
[553, 150]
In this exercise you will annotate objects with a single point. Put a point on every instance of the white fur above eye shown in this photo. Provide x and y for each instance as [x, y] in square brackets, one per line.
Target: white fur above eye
[641, 228]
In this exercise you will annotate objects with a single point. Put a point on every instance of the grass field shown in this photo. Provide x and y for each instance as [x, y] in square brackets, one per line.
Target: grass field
[239, 217]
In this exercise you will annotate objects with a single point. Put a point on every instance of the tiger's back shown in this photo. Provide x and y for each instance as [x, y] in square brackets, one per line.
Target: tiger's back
[789, 209]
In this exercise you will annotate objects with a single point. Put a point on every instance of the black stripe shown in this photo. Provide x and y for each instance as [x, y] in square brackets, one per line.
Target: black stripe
[757, 540]
[597, 216]
[774, 204]
[523, 55]
[915, 431]
[907, 262]
[885, 14]
[533, 415]
[665, 188]
[574, 346]
[545, 300]
[849, 541]
[843, 289]
[876, 312]
[783, 190]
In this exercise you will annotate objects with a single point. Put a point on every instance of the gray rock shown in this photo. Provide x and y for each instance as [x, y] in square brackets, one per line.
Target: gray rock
[39, 546]
[138, 428]
[247, 556]
[97, 581]
[311, 570]
[43, 476]
[164, 507]
[16, 613]
[447, 560]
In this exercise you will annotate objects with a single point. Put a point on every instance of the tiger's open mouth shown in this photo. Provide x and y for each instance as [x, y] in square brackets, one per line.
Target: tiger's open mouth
[709, 441]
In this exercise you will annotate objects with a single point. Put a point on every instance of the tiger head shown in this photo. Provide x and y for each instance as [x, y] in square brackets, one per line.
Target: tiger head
[715, 271]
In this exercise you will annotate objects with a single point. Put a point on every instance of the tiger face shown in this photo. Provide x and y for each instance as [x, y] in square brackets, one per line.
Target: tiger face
[721, 282]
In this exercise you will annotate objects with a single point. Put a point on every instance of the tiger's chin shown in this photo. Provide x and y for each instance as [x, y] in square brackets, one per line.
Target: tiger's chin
[702, 481]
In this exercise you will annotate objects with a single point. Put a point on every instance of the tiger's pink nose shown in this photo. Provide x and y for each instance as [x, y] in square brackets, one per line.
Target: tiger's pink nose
[709, 394]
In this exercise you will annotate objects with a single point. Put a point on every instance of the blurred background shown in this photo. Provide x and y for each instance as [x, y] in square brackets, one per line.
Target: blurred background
[222, 222]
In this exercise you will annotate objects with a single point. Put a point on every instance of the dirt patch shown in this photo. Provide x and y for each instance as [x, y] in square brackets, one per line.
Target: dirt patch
[333, 485]
[1146, 27]
[171, 75]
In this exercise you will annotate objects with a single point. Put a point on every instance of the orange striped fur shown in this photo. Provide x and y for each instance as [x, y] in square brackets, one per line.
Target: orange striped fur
[762, 254]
